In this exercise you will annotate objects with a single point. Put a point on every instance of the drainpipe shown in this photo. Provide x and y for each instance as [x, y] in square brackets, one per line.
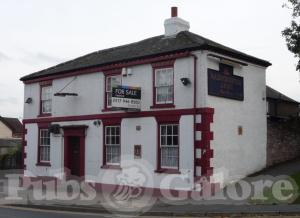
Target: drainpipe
[195, 106]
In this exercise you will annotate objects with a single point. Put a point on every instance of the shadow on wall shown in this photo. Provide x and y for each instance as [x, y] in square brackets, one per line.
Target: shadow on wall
[283, 140]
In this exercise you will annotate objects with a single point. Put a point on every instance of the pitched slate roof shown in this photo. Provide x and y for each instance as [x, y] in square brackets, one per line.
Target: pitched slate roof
[159, 45]
[274, 94]
[13, 123]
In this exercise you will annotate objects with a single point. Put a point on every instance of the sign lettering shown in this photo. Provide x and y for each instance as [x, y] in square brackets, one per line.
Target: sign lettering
[126, 97]
[225, 84]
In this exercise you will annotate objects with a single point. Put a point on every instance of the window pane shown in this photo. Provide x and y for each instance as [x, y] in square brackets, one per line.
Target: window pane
[107, 140]
[107, 131]
[164, 77]
[169, 140]
[109, 96]
[118, 131]
[163, 130]
[175, 140]
[113, 154]
[163, 140]
[115, 81]
[169, 157]
[161, 94]
[46, 92]
[169, 130]
[46, 106]
[45, 153]
[113, 131]
[117, 140]
[169, 96]
[175, 129]
[113, 140]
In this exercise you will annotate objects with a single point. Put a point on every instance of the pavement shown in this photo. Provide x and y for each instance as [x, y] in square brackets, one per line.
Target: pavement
[182, 208]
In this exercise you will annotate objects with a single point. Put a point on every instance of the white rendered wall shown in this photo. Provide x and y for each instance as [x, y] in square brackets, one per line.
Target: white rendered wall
[237, 155]
[241, 155]
[90, 90]
[146, 137]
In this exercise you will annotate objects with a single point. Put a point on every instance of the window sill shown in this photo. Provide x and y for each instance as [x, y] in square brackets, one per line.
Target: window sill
[111, 167]
[41, 164]
[44, 115]
[168, 171]
[162, 106]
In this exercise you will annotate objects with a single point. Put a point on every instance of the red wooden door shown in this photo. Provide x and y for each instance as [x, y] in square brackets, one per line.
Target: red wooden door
[74, 158]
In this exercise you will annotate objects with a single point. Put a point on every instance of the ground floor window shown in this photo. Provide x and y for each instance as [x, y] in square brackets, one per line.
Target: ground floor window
[112, 145]
[169, 146]
[44, 145]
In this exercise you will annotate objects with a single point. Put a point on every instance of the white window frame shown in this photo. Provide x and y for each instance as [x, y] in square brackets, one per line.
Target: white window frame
[170, 86]
[108, 91]
[111, 144]
[45, 98]
[172, 145]
[43, 144]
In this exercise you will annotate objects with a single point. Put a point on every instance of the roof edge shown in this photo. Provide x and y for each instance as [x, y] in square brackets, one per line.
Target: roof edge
[245, 57]
[118, 64]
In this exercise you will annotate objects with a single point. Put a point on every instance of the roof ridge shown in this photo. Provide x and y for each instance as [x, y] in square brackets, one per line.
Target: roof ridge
[149, 47]
[95, 52]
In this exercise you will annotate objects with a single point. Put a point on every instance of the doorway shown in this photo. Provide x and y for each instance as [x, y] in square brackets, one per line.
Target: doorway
[74, 155]
[74, 149]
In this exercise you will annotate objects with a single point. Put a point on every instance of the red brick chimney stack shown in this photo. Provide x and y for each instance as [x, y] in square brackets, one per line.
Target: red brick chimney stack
[174, 12]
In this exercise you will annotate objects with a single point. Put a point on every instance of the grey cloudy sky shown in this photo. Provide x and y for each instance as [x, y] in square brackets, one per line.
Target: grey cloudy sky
[38, 34]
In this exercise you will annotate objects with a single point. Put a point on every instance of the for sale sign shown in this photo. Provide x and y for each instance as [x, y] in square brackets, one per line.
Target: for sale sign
[126, 97]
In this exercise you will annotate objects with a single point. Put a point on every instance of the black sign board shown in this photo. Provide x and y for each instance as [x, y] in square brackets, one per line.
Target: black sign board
[224, 84]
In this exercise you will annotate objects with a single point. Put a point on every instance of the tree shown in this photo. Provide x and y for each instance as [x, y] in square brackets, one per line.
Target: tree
[292, 33]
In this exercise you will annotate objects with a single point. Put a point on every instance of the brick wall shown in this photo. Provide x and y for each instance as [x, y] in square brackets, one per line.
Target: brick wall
[283, 141]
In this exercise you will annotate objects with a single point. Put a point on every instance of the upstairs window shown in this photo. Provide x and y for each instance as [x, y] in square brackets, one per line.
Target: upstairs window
[164, 87]
[46, 99]
[111, 81]
[44, 146]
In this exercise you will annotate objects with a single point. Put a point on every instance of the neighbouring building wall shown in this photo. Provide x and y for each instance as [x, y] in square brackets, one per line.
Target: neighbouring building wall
[5, 132]
[234, 154]
[284, 109]
[283, 141]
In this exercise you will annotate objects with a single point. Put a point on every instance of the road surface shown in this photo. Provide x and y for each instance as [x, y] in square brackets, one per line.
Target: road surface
[12, 212]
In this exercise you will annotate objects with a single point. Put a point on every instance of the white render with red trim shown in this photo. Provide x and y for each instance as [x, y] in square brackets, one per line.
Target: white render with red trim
[233, 154]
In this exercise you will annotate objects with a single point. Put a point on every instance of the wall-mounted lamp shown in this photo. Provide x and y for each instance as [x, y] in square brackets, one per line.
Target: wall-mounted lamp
[97, 123]
[55, 129]
[28, 101]
[185, 81]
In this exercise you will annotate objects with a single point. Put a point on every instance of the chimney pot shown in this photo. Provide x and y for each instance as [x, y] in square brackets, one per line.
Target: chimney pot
[174, 12]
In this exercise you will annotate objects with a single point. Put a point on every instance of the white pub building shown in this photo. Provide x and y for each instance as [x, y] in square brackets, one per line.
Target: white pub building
[184, 104]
